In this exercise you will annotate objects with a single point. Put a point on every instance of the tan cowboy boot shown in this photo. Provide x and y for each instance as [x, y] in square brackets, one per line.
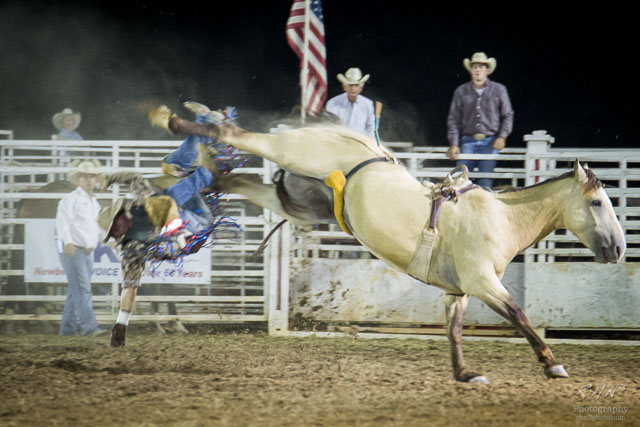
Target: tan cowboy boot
[159, 117]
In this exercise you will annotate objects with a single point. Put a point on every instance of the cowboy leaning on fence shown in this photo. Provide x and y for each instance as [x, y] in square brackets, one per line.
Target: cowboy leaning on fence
[480, 117]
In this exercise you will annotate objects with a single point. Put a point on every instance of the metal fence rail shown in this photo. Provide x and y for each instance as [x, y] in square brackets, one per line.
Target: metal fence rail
[244, 288]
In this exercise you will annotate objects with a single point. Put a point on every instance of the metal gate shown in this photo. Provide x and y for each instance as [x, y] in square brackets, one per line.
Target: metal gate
[235, 293]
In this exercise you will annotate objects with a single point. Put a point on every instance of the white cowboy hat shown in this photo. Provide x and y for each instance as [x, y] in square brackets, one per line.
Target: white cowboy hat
[353, 76]
[480, 58]
[86, 167]
[58, 118]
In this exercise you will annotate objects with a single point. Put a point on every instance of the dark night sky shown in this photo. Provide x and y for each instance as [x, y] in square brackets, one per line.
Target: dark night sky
[567, 70]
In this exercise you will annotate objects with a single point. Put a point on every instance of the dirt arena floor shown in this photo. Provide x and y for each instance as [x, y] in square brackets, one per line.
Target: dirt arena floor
[250, 379]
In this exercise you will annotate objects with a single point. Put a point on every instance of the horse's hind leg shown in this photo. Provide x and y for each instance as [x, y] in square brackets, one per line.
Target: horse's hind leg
[455, 307]
[507, 308]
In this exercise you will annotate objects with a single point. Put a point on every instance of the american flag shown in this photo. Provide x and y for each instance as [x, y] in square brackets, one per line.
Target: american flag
[315, 91]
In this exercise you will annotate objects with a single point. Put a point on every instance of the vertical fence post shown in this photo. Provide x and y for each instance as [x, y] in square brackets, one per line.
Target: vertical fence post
[622, 198]
[278, 280]
[276, 260]
[537, 145]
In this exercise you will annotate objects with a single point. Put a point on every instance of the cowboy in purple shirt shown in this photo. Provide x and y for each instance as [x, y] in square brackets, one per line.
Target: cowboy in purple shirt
[480, 117]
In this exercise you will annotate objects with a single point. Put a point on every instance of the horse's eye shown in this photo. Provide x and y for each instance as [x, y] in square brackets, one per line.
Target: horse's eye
[596, 203]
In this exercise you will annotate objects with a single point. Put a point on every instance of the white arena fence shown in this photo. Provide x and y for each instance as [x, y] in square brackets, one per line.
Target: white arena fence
[235, 292]
[321, 274]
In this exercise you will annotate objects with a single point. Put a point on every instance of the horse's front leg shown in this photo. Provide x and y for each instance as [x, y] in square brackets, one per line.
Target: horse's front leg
[507, 308]
[455, 307]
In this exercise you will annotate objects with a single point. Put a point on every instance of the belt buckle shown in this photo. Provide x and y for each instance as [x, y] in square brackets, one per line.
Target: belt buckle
[85, 250]
[479, 136]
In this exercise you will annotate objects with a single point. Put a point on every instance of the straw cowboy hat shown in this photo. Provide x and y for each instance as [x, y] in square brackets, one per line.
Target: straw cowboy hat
[480, 58]
[86, 167]
[353, 76]
[161, 210]
[58, 118]
[108, 214]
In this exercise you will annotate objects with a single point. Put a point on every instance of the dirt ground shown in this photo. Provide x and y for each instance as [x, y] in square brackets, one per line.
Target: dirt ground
[256, 380]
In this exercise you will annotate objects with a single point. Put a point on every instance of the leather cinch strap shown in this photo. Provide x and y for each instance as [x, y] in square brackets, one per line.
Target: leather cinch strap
[445, 194]
[363, 164]
[421, 261]
[337, 180]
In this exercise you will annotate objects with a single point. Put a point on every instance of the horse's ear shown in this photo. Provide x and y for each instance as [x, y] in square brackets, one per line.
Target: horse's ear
[579, 173]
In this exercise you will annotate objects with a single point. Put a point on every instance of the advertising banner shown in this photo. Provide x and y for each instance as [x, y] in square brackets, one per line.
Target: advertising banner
[42, 261]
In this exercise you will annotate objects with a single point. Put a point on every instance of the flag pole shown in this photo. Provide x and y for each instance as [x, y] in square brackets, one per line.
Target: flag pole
[305, 61]
[378, 112]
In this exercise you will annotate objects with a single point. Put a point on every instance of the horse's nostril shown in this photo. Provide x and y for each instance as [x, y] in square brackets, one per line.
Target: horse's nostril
[618, 252]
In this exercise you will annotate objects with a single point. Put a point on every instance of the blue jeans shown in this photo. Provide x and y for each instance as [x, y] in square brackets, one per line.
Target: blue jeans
[469, 145]
[78, 308]
[186, 193]
[187, 153]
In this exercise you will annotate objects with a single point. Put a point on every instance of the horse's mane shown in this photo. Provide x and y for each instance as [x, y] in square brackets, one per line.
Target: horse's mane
[592, 184]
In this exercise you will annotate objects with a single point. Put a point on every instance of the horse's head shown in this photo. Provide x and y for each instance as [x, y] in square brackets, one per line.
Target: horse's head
[590, 216]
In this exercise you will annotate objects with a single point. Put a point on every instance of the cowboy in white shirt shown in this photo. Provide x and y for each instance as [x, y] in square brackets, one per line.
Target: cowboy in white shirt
[354, 110]
[78, 233]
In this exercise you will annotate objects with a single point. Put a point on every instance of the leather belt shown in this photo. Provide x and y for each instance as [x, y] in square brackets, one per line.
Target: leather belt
[480, 136]
[86, 250]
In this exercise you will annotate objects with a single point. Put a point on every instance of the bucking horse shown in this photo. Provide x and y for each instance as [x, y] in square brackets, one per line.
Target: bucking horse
[459, 238]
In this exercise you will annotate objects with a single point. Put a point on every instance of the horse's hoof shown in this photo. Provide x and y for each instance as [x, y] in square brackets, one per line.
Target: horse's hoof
[159, 329]
[471, 377]
[179, 328]
[556, 371]
[481, 379]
